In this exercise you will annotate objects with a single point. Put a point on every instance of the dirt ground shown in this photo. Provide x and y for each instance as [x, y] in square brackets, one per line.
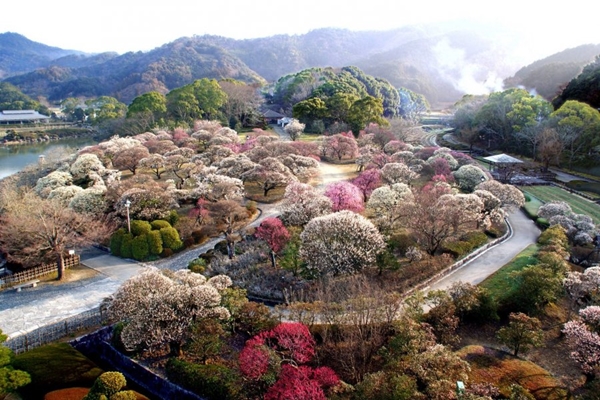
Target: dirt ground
[552, 356]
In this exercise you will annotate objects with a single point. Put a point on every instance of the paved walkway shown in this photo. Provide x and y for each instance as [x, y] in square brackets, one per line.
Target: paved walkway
[48, 303]
[525, 232]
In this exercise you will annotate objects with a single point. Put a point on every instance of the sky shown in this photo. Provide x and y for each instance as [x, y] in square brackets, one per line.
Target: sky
[125, 25]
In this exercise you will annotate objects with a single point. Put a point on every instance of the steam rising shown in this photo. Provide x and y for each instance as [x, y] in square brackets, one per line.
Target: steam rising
[466, 76]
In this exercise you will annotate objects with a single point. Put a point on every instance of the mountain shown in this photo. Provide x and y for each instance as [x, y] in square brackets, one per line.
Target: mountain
[441, 61]
[550, 75]
[19, 54]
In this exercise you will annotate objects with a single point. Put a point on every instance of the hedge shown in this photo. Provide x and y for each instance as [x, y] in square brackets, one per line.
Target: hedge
[126, 246]
[155, 243]
[139, 227]
[170, 238]
[212, 381]
[139, 247]
[160, 224]
[116, 240]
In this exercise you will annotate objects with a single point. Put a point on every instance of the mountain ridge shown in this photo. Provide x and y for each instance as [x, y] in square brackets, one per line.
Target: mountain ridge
[442, 64]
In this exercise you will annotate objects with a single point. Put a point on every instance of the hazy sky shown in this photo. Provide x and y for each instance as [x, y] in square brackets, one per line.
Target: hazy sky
[125, 25]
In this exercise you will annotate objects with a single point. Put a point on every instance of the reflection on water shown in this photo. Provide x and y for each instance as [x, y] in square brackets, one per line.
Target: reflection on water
[16, 157]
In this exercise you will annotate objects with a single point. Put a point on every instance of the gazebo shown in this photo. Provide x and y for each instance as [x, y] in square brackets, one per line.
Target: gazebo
[503, 166]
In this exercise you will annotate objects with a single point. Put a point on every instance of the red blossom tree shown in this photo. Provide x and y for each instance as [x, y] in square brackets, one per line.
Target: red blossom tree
[272, 231]
[345, 196]
[288, 345]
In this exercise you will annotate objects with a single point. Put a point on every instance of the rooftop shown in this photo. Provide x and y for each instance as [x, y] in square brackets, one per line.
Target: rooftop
[21, 115]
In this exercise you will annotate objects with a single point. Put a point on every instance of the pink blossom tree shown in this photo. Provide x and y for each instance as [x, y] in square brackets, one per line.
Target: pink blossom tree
[345, 196]
[368, 181]
[341, 145]
[583, 338]
[275, 234]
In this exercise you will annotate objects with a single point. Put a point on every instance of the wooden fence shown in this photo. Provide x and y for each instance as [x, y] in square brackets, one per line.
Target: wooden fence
[34, 273]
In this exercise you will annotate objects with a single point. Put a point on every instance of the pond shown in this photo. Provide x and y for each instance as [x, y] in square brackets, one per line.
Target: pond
[14, 158]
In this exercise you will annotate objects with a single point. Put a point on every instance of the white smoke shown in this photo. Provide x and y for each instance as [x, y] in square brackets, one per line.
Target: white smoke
[466, 76]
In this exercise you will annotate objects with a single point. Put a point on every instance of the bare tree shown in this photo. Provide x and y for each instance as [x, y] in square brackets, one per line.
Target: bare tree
[35, 230]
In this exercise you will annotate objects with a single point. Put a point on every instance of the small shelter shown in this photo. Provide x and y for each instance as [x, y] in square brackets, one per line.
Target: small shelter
[503, 167]
[271, 117]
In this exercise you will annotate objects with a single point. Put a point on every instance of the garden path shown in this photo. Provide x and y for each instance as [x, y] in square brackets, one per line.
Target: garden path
[524, 233]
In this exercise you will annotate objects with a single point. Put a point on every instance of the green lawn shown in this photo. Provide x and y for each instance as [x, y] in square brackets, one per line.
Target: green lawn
[532, 206]
[578, 204]
[500, 284]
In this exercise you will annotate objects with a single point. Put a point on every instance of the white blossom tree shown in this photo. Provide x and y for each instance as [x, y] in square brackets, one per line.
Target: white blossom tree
[301, 203]
[269, 174]
[86, 165]
[580, 228]
[511, 198]
[387, 204]
[53, 180]
[294, 129]
[583, 287]
[159, 307]
[340, 243]
[397, 173]
[302, 167]
[215, 187]
[469, 176]
[584, 340]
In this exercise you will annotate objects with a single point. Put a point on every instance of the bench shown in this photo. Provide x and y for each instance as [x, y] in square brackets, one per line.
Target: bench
[32, 283]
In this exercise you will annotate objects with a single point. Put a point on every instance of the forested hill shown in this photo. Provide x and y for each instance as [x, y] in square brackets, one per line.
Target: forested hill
[441, 63]
[584, 88]
[550, 75]
[19, 54]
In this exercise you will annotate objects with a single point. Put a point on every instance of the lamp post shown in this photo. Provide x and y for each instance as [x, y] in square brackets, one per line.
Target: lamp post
[127, 205]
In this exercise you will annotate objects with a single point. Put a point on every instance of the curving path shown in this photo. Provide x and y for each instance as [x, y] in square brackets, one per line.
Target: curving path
[525, 232]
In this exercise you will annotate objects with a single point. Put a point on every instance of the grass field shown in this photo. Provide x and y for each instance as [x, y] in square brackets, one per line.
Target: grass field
[532, 206]
[500, 284]
[578, 204]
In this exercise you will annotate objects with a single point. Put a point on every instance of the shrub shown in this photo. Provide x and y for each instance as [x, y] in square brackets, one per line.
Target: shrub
[139, 247]
[159, 224]
[126, 246]
[166, 253]
[106, 385]
[170, 238]
[124, 395]
[155, 243]
[189, 242]
[254, 318]
[173, 217]
[251, 206]
[213, 381]
[401, 242]
[468, 242]
[53, 367]
[197, 265]
[139, 227]
[199, 236]
[116, 240]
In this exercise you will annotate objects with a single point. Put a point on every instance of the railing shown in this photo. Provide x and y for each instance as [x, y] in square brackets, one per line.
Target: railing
[33, 273]
[50, 333]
